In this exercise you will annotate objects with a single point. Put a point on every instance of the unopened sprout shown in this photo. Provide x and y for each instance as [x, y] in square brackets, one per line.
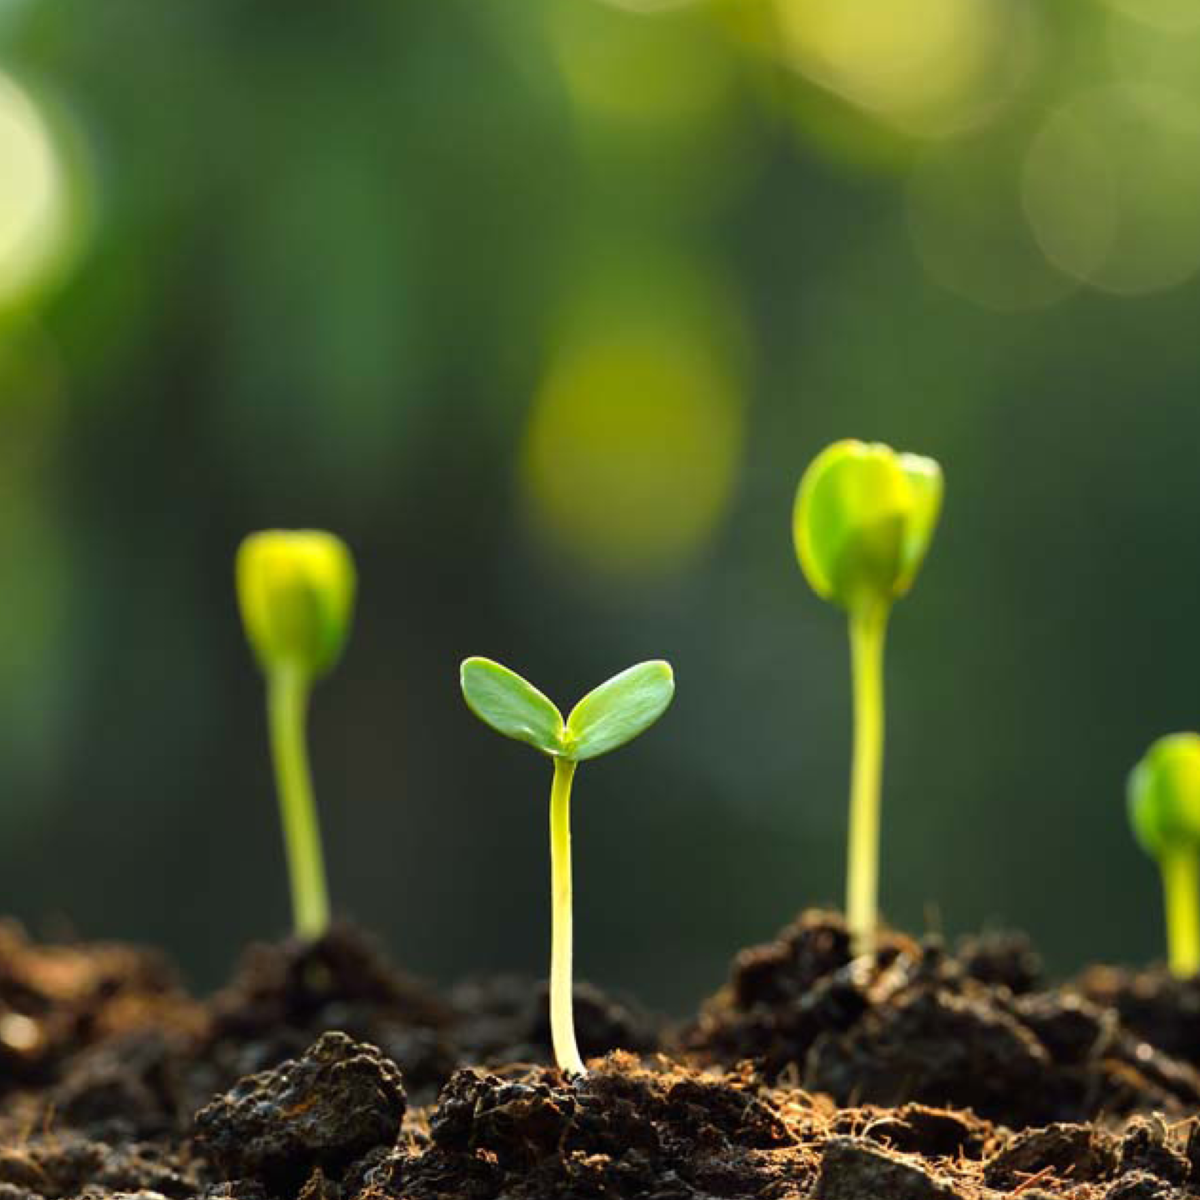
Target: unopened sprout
[862, 523]
[1164, 810]
[296, 592]
[608, 717]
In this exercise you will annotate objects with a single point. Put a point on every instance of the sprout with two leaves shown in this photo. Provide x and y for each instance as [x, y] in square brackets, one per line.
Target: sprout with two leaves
[862, 523]
[296, 592]
[608, 717]
[1164, 810]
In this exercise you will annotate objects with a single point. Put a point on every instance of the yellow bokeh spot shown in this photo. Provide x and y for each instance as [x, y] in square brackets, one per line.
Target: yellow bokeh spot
[923, 65]
[633, 448]
[672, 69]
[34, 201]
[1112, 188]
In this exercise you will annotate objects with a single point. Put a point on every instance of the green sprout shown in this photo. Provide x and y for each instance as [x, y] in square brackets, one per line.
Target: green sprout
[1164, 810]
[608, 717]
[862, 523]
[296, 593]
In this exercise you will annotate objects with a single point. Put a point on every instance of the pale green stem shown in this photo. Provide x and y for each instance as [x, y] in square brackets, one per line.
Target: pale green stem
[562, 1017]
[868, 628]
[1181, 891]
[287, 707]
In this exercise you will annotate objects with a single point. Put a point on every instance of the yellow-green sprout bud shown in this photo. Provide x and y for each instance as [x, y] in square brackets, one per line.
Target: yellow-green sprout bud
[1164, 810]
[862, 522]
[296, 591]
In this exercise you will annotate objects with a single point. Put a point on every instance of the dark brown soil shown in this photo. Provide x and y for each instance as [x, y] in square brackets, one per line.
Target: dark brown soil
[973, 1030]
[321, 1073]
[1152, 1004]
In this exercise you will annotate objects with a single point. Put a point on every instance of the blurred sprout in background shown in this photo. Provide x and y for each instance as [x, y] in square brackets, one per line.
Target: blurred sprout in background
[541, 305]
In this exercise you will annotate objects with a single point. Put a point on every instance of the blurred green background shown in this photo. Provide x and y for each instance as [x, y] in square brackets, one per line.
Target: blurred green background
[544, 306]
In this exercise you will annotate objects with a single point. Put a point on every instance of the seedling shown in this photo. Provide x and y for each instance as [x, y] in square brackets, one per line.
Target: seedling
[296, 592]
[1164, 810]
[615, 713]
[862, 523]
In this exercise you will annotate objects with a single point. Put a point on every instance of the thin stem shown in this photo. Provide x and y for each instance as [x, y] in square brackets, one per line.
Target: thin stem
[1181, 891]
[868, 628]
[287, 707]
[562, 1017]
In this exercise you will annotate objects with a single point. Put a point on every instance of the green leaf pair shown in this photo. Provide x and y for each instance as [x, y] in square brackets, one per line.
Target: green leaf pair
[608, 717]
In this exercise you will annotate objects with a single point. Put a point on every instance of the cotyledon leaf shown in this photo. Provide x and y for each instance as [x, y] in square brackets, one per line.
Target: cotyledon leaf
[512, 705]
[617, 711]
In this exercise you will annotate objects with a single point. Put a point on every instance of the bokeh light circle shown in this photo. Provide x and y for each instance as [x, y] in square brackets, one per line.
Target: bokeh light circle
[634, 444]
[35, 203]
[968, 227]
[662, 72]
[1111, 188]
[927, 67]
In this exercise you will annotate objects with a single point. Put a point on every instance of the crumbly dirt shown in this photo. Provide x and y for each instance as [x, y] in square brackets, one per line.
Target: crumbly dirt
[57, 1000]
[1152, 1004]
[323, 1111]
[285, 994]
[914, 1023]
[321, 1073]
